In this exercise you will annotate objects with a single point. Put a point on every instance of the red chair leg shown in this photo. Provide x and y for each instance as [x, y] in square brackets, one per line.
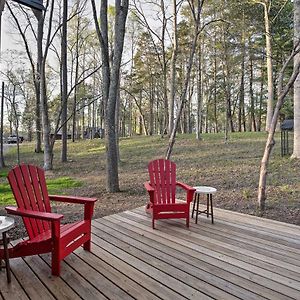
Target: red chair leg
[87, 245]
[153, 227]
[148, 208]
[56, 248]
[55, 267]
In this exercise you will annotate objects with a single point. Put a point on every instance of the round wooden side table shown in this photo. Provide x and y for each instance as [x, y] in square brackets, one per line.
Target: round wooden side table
[6, 223]
[208, 191]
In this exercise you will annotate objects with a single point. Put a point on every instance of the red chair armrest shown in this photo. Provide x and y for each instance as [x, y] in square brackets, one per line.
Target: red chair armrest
[189, 191]
[72, 199]
[149, 187]
[150, 190]
[33, 214]
[88, 203]
[185, 186]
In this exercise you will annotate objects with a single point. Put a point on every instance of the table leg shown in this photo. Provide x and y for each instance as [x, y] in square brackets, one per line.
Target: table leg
[211, 210]
[194, 204]
[197, 212]
[207, 205]
[6, 257]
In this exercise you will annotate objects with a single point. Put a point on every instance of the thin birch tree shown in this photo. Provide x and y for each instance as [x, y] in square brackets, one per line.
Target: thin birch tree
[195, 8]
[296, 151]
[282, 91]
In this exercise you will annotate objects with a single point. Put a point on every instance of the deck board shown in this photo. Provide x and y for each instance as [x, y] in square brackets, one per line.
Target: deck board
[238, 257]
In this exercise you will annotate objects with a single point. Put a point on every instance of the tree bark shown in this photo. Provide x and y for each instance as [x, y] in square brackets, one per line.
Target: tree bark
[215, 85]
[110, 80]
[37, 82]
[199, 94]
[64, 83]
[270, 102]
[261, 92]
[76, 76]
[296, 151]
[251, 94]
[173, 69]
[2, 163]
[241, 110]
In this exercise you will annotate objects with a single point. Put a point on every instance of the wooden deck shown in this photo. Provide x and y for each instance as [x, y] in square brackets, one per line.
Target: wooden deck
[239, 257]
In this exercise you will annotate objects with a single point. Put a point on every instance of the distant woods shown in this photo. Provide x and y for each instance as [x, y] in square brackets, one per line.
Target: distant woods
[241, 48]
[186, 67]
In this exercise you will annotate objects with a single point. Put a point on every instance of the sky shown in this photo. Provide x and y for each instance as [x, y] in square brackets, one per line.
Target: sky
[7, 42]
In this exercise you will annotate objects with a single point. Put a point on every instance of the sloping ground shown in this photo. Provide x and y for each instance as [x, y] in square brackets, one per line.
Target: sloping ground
[231, 167]
[239, 257]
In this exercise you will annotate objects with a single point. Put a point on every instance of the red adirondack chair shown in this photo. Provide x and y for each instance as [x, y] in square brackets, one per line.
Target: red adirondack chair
[162, 191]
[45, 233]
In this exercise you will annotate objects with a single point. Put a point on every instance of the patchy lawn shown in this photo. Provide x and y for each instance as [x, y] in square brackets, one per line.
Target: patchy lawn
[232, 167]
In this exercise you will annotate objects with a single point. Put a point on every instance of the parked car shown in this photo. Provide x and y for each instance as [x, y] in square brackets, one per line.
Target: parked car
[12, 139]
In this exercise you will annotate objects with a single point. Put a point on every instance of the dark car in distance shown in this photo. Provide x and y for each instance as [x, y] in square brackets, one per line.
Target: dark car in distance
[12, 139]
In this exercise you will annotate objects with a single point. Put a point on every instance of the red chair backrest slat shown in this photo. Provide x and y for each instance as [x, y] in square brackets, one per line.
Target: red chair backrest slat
[28, 185]
[162, 174]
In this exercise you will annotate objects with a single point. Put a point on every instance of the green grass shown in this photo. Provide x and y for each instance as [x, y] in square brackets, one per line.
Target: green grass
[61, 184]
[3, 173]
[57, 185]
[232, 167]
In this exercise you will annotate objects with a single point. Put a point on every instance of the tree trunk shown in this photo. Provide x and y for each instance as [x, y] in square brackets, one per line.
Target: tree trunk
[151, 108]
[164, 67]
[76, 76]
[270, 102]
[130, 119]
[261, 94]
[110, 80]
[2, 163]
[282, 92]
[37, 83]
[241, 110]
[187, 78]
[117, 121]
[173, 69]
[48, 149]
[64, 83]
[16, 118]
[296, 151]
[251, 94]
[215, 109]
[199, 94]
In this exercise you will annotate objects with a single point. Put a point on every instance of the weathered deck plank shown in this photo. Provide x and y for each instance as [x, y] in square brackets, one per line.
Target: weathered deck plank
[238, 257]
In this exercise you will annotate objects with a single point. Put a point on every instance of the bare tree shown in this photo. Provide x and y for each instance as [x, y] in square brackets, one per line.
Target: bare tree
[110, 81]
[296, 151]
[160, 48]
[35, 66]
[270, 104]
[196, 8]
[173, 68]
[282, 91]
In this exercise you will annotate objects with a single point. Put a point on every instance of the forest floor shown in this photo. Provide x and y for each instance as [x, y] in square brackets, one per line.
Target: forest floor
[231, 167]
